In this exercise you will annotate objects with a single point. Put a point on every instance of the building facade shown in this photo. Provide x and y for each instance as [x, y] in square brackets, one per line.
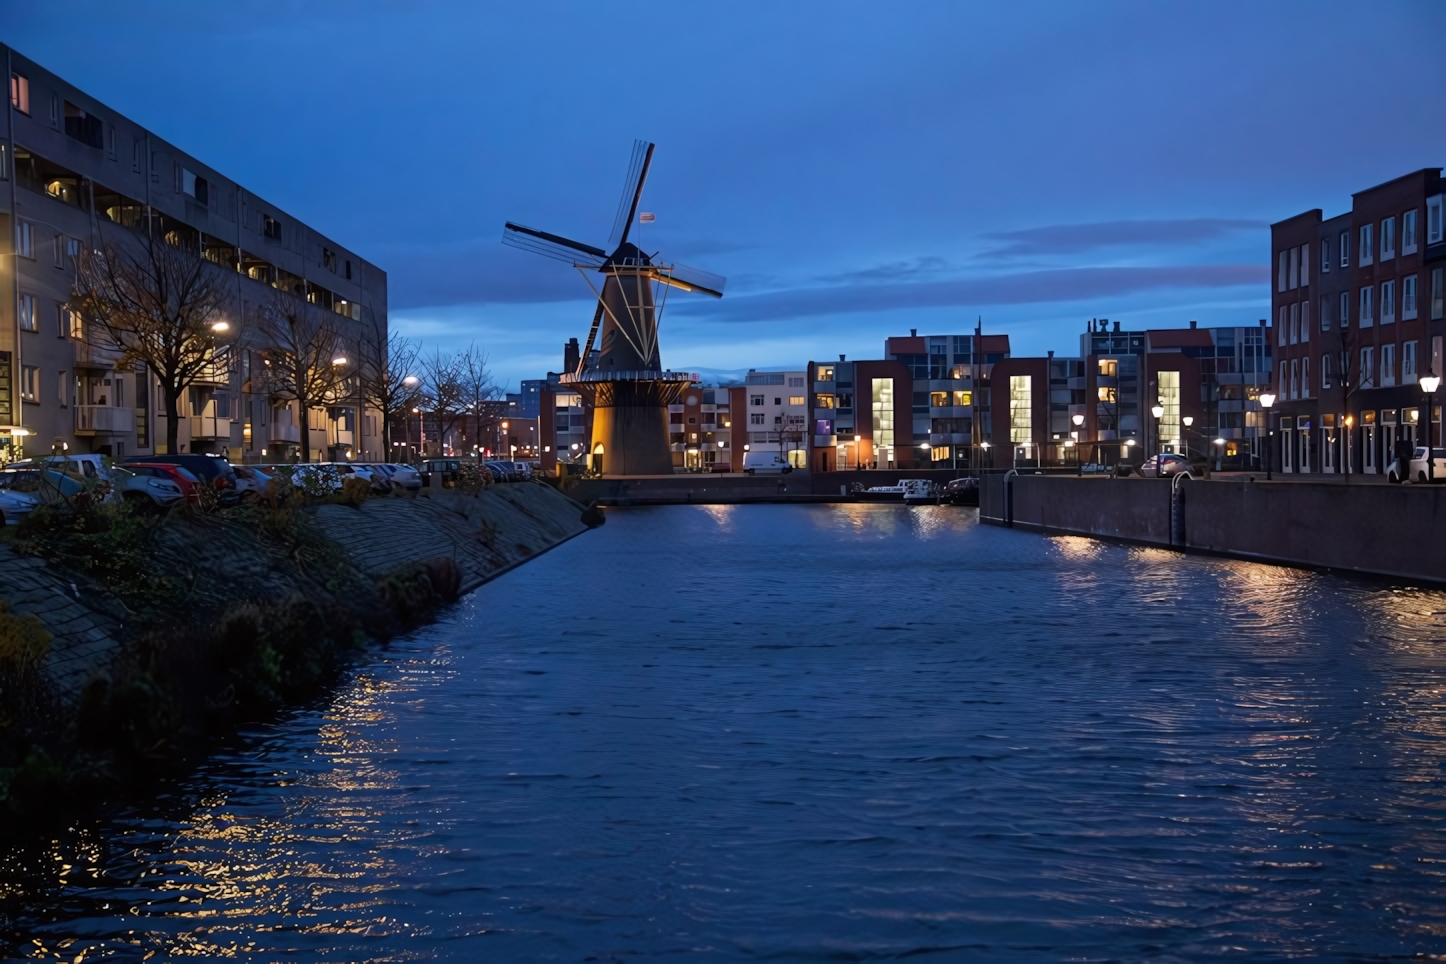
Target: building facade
[75, 176]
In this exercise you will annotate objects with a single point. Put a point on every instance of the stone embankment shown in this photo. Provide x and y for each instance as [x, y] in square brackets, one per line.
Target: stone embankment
[484, 534]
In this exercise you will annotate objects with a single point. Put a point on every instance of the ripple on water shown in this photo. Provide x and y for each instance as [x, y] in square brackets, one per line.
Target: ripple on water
[815, 732]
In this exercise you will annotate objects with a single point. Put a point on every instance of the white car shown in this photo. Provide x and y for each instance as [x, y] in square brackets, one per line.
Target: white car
[1418, 465]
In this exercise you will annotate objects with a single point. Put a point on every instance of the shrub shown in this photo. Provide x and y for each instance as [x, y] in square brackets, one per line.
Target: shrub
[354, 491]
[24, 641]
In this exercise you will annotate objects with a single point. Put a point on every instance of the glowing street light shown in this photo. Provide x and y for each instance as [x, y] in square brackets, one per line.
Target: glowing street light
[1267, 401]
[1429, 384]
[221, 326]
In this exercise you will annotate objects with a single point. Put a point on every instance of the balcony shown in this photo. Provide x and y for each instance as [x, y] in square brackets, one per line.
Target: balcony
[207, 426]
[285, 432]
[90, 355]
[104, 420]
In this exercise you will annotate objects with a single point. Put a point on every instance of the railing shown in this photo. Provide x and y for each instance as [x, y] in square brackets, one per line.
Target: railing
[90, 355]
[207, 426]
[104, 419]
[285, 432]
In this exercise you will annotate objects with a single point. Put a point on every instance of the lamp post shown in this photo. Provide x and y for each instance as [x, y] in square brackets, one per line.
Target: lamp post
[1078, 421]
[1187, 421]
[1219, 453]
[858, 459]
[1267, 399]
[1429, 384]
[1158, 411]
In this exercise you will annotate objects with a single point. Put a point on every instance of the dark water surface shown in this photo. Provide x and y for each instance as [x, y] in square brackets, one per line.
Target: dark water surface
[817, 732]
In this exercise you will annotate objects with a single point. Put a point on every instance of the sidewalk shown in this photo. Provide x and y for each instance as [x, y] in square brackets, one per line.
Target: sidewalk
[1354, 478]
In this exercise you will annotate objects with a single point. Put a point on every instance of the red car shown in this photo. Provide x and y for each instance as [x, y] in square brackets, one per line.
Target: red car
[164, 485]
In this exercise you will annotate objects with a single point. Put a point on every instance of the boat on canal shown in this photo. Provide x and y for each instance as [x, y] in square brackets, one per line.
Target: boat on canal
[908, 491]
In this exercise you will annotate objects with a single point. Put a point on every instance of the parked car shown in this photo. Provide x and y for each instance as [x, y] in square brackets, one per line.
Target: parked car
[251, 481]
[403, 476]
[160, 486]
[16, 505]
[961, 491]
[1167, 464]
[1419, 470]
[317, 475]
[765, 463]
[210, 469]
[378, 481]
[68, 475]
[502, 471]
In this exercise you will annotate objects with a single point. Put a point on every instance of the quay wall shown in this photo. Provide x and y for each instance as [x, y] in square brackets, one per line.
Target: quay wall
[1383, 530]
[735, 489]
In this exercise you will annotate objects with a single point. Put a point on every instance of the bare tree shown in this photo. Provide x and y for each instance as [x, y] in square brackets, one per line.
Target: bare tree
[304, 358]
[162, 306]
[443, 395]
[474, 381]
[387, 365]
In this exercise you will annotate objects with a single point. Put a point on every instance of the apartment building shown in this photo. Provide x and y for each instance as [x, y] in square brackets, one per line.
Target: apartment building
[77, 175]
[914, 408]
[777, 413]
[1358, 305]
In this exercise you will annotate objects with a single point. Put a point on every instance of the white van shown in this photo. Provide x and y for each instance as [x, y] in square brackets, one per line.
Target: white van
[765, 463]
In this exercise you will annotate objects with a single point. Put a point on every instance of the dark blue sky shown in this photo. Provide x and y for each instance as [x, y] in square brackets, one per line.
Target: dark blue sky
[855, 169]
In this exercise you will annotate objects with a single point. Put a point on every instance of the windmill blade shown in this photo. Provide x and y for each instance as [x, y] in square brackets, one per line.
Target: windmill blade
[692, 279]
[632, 192]
[552, 245]
[597, 317]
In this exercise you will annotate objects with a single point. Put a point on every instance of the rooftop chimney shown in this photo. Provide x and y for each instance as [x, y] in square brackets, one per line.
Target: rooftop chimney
[1192, 323]
[840, 358]
[913, 333]
[570, 355]
[1262, 322]
[1117, 326]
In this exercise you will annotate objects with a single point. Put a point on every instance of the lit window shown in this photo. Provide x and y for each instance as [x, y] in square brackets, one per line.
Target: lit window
[20, 93]
[963, 398]
[795, 399]
[938, 399]
[823, 401]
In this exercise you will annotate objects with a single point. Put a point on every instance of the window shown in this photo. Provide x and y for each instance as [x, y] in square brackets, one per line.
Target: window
[777, 401]
[29, 382]
[84, 126]
[1345, 246]
[1408, 362]
[270, 227]
[1345, 313]
[110, 141]
[755, 399]
[1294, 268]
[328, 260]
[1325, 372]
[1388, 365]
[59, 250]
[1366, 244]
[1438, 293]
[25, 239]
[348, 277]
[195, 186]
[1367, 313]
[795, 399]
[1368, 367]
[1305, 377]
[823, 401]
[1408, 299]
[1294, 379]
[1284, 326]
[1408, 232]
[1305, 322]
[20, 93]
[1388, 238]
[1433, 219]
[1282, 273]
[1294, 323]
[756, 418]
[824, 373]
[61, 382]
[1325, 313]
[1325, 257]
[1021, 394]
[1305, 266]
[963, 398]
[27, 312]
[75, 325]
[136, 156]
[1388, 302]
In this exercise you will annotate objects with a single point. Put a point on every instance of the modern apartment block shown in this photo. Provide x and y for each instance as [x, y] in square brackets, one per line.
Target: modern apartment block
[76, 175]
[915, 407]
[1358, 305]
[777, 411]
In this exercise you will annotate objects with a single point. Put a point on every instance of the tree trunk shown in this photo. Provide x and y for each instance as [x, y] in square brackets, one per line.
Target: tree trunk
[173, 418]
[303, 415]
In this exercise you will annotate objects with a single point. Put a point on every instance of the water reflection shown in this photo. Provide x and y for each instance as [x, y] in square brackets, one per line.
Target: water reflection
[847, 731]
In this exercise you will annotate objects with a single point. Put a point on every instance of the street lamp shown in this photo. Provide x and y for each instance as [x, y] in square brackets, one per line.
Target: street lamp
[1158, 411]
[1429, 384]
[858, 459]
[1267, 399]
[1187, 421]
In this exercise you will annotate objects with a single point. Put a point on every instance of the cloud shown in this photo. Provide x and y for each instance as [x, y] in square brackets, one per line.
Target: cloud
[894, 271]
[1077, 238]
[475, 271]
[1065, 284]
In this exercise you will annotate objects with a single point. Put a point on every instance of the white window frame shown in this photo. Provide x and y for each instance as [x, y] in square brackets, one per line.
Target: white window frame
[1408, 362]
[26, 319]
[29, 383]
[1345, 246]
[1438, 293]
[1388, 365]
[1388, 238]
[1368, 367]
[1388, 303]
[1344, 318]
[1367, 249]
[1408, 298]
[1295, 323]
[1367, 311]
[1408, 232]
[1325, 373]
[1433, 219]
[1282, 327]
[1294, 379]
[1305, 377]
[1325, 256]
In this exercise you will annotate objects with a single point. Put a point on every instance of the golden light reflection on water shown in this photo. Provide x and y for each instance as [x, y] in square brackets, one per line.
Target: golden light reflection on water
[720, 514]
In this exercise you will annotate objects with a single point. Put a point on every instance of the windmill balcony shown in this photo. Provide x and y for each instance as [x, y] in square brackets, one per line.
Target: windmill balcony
[104, 420]
[208, 426]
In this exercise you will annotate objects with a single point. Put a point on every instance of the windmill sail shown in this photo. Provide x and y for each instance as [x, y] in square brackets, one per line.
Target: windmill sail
[632, 192]
[552, 245]
[693, 279]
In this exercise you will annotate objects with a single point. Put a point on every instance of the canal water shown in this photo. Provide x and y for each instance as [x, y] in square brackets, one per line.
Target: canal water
[815, 732]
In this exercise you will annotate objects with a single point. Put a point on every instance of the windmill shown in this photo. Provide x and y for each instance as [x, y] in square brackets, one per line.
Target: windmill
[626, 384]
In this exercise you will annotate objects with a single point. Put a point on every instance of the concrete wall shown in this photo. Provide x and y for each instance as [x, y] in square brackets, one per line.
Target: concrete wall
[1379, 529]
